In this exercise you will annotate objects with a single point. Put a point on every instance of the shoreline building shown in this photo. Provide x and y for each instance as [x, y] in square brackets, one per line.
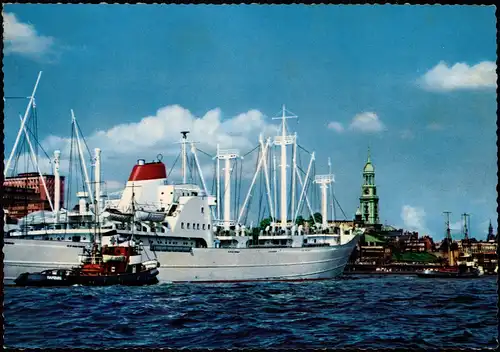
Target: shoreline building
[24, 193]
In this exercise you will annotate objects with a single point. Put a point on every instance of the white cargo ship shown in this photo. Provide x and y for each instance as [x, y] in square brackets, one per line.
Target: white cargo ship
[177, 225]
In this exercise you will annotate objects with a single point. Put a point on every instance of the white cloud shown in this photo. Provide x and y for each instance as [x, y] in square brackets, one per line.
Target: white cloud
[367, 122]
[414, 218]
[122, 144]
[459, 76]
[336, 126]
[456, 226]
[22, 38]
[161, 133]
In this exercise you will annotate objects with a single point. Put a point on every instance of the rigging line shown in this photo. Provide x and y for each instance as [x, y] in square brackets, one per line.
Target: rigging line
[173, 165]
[342, 210]
[214, 177]
[35, 131]
[304, 149]
[84, 141]
[17, 98]
[301, 170]
[251, 151]
[252, 190]
[38, 143]
[201, 151]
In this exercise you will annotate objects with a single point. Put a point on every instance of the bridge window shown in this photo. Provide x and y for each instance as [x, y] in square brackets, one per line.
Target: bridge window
[202, 210]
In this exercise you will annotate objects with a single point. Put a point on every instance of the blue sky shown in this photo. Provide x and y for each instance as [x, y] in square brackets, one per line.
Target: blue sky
[416, 83]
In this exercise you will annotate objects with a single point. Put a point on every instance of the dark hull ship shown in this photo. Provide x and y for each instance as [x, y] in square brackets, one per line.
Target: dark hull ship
[112, 265]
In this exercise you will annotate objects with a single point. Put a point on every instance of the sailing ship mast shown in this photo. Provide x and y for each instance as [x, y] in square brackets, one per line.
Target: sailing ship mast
[448, 236]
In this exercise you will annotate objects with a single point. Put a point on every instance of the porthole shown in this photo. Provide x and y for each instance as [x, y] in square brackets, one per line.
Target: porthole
[182, 225]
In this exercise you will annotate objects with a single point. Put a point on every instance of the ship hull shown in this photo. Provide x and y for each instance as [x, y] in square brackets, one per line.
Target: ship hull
[23, 255]
[252, 264]
[199, 265]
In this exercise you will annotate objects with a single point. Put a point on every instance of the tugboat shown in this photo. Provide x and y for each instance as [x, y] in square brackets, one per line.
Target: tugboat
[113, 265]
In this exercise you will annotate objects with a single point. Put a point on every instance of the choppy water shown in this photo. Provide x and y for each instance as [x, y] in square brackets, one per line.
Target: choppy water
[358, 312]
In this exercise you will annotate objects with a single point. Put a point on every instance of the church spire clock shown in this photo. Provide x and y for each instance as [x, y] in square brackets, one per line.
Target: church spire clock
[369, 198]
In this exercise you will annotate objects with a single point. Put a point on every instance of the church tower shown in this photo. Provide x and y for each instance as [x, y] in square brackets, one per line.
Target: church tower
[369, 199]
[491, 235]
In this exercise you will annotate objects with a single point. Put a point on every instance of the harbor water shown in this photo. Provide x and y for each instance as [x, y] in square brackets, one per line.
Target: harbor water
[350, 312]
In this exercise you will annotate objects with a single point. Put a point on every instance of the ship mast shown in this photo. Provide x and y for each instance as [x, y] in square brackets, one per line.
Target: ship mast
[23, 122]
[332, 201]
[184, 156]
[324, 181]
[448, 235]
[262, 164]
[82, 159]
[57, 185]
[283, 141]
[227, 155]
[35, 160]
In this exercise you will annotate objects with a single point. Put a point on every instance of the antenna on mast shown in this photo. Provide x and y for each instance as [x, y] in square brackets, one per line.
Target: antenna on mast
[184, 156]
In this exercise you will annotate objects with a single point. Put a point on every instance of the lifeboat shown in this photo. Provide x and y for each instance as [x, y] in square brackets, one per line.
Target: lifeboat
[154, 216]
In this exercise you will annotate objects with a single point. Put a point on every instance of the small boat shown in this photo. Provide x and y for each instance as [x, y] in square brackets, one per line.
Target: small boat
[154, 216]
[112, 265]
[114, 214]
[458, 272]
